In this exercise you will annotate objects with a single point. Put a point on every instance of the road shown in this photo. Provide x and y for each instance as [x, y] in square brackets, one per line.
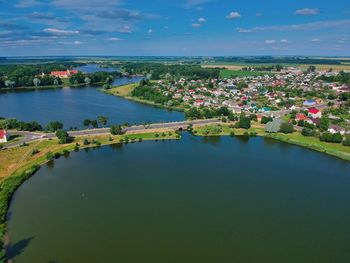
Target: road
[36, 136]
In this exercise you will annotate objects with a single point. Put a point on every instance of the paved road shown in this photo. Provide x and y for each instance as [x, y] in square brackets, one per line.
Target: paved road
[35, 136]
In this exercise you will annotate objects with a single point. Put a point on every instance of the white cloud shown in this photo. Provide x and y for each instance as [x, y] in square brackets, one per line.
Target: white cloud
[284, 41]
[243, 30]
[125, 29]
[315, 40]
[196, 25]
[202, 20]
[318, 25]
[270, 41]
[76, 42]
[62, 32]
[150, 31]
[233, 15]
[307, 11]
[114, 39]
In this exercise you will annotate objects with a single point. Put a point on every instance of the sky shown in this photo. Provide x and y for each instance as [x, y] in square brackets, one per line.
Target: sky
[174, 27]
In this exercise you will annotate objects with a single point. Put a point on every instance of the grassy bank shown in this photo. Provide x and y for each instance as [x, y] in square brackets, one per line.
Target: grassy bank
[124, 91]
[19, 164]
[296, 138]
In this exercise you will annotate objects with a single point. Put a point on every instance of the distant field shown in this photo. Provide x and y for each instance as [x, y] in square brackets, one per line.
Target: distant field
[227, 73]
[341, 67]
[239, 66]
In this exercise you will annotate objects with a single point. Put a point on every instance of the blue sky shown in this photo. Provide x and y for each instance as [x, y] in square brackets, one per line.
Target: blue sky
[174, 27]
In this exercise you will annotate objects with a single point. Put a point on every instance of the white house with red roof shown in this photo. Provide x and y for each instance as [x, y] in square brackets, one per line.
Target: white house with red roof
[3, 136]
[314, 113]
[64, 74]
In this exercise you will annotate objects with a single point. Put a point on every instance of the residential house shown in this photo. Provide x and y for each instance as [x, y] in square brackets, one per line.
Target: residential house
[314, 113]
[335, 129]
[3, 136]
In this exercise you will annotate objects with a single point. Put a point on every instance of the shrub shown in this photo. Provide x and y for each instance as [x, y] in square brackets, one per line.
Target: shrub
[34, 152]
[346, 142]
[50, 156]
[329, 137]
[286, 128]
[244, 122]
[308, 132]
[86, 142]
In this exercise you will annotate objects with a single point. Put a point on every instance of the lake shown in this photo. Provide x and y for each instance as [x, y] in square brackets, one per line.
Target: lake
[194, 200]
[72, 105]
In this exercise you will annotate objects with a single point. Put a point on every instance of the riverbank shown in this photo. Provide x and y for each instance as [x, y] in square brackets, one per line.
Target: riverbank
[124, 91]
[335, 149]
[20, 163]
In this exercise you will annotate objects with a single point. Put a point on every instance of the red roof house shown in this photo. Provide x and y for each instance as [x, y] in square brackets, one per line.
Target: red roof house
[64, 74]
[3, 136]
[314, 113]
[301, 117]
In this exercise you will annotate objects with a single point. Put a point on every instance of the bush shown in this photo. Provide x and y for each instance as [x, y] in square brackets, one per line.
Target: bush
[286, 128]
[244, 122]
[308, 132]
[346, 142]
[50, 156]
[34, 152]
[329, 137]
[86, 142]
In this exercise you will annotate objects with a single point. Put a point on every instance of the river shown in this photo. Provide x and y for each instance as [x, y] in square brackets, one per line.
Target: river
[72, 105]
[194, 200]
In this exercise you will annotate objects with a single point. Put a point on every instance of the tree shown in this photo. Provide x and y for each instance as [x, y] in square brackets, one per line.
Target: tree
[36, 82]
[273, 126]
[54, 126]
[94, 123]
[87, 81]
[265, 119]
[324, 124]
[286, 128]
[102, 120]
[87, 122]
[116, 130]
[63, 137]
[311, 69]
[244, 122]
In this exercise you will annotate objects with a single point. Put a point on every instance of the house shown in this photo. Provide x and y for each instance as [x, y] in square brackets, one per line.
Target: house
[314, 113]
[335, 129]
[301, 117]
[64, 74]
[3, 136]
[309, 103]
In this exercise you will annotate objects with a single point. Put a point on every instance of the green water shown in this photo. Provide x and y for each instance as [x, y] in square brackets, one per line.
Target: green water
[193, 200]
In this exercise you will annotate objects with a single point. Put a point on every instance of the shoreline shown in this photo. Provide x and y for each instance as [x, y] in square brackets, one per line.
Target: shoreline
[310, 143]
[114, 92]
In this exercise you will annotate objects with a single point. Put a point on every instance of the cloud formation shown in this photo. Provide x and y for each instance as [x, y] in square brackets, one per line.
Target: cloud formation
[307, 11]
[233, 15]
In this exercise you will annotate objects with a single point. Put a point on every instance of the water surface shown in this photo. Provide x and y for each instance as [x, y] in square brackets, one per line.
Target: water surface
[72, 105]
[193, 200]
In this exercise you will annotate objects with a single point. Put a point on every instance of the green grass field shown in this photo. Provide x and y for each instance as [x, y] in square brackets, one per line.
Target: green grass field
[227, 73]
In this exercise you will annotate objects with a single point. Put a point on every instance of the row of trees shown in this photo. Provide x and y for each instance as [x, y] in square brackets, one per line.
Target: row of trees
[94, 78]
[160, 70]
[101, 120]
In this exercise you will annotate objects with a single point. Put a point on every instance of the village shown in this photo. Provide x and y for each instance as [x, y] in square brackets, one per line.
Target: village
[296, 96]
